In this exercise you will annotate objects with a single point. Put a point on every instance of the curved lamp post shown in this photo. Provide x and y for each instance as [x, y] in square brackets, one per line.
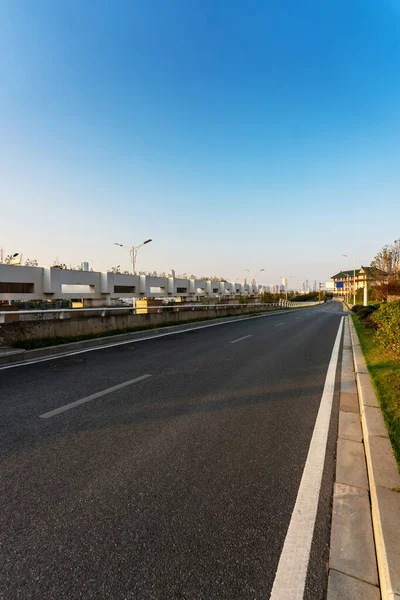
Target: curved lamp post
[133, 250]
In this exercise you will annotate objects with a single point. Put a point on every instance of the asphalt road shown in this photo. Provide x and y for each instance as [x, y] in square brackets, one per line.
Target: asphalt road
[177, 486]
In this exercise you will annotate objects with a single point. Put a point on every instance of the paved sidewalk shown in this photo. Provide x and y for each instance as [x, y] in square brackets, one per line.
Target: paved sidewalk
[353, 573]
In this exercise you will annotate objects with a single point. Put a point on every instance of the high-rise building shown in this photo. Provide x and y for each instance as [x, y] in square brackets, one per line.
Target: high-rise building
[315, 285]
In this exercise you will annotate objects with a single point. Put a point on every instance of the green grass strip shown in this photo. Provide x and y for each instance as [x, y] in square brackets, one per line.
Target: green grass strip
[385, 374]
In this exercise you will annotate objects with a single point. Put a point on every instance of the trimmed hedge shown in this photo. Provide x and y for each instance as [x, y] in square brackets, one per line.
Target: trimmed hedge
[387, 323]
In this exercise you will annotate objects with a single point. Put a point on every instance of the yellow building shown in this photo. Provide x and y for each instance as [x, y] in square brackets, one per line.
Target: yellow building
[361, 277]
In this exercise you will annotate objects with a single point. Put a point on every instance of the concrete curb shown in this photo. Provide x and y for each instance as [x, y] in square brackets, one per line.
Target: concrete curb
[18, 356]
[383, 477]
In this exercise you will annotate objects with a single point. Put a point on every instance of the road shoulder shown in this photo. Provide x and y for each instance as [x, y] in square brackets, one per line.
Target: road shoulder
[365, 549]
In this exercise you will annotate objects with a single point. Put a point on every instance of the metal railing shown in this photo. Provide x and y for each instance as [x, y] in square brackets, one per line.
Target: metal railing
[103, 311]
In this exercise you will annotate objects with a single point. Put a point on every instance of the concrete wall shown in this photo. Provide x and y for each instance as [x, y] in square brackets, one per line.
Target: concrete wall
[27, 330]
[105, 288]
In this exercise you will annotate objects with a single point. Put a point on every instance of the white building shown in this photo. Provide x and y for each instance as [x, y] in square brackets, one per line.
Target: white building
[95, 288]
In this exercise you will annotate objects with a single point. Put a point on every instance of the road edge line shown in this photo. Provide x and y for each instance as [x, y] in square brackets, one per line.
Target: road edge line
[291, 574]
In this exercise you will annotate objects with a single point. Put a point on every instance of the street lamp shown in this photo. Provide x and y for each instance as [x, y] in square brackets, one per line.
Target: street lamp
[14, 260]
[354, 276]
[255, 272]
[133, 250]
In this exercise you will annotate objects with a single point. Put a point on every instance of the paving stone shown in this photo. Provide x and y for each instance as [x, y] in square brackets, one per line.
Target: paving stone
[349, 402]
[347, 373]
[348, 384]
[374, 422]
[343, 587]
[352, 545]
[385, 472]
[359, 360]
[364, 380]
[350, 426]
[389, 510]
[350, 464]
[368, 396]
[347, 358]
[366, 393]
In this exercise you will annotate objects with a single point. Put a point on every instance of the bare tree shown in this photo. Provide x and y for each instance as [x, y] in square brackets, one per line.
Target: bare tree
[31, 262]
[386, 270]
[59, 265]
[388, 259]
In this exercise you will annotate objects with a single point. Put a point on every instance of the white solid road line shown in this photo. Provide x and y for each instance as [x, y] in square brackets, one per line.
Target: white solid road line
[291, 574]
[240, 339]
[66, 407]
[144, 339]
[279, 324]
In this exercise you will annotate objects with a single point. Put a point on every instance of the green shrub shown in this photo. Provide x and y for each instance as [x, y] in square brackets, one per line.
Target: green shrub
[387, 322]
[366, 311]
[356, 308]
[308, 297]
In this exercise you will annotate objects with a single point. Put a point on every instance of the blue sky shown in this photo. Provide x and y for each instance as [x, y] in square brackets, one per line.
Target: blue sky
[236, 134]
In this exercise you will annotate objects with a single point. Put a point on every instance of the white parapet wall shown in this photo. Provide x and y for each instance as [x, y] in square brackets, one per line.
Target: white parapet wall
[53, 283]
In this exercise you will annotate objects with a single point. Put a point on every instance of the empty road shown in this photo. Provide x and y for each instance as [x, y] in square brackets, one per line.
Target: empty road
[167, 468]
